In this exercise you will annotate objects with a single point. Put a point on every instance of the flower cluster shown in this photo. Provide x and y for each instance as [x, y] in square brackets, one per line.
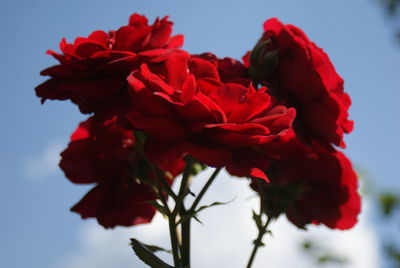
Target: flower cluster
[275, 118]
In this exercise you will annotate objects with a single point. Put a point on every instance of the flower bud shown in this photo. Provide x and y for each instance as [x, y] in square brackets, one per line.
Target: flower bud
[263, 60]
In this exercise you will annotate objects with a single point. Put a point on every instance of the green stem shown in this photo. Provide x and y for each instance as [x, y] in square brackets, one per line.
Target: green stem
[160, 192]
[181, 244]
[185, 225]
[261, 229]
[171, 219]
[258, 242]
[184, 186]
[181, 211]
[204, 190]
[168, 189]
[185, 248]
[174, 241]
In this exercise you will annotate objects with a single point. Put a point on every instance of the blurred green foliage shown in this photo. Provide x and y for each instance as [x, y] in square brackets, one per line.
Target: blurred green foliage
[392, 8]
[394, 253]
[388, 203]
[322, 255]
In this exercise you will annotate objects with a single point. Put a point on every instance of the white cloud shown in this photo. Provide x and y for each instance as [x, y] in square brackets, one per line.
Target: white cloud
[45, 164]
[225, 238]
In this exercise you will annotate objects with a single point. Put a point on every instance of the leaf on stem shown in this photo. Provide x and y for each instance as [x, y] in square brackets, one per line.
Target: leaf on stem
[197, 219]
[147, 256]
[213, 205]
[154, 248]
[193, 214]
[191, 193]
[160, 208]
[257, 219]
[258, 243]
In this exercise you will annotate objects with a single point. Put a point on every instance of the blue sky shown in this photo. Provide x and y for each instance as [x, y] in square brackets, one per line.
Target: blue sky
[37, 229]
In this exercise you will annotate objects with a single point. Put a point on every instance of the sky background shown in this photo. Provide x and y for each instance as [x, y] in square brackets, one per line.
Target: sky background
[36, 227]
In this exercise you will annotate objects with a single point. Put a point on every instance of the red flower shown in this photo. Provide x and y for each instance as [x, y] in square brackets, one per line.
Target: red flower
[92, 71]
[229, 70]
[188, 109]
[301, 75]
[102, 152]
[312, 187]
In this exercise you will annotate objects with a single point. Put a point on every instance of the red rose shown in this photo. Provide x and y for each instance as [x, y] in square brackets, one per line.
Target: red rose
[229, 70]
[102, 152]
[301, 75]
[188, 109]
[92, 71]
[312, 187]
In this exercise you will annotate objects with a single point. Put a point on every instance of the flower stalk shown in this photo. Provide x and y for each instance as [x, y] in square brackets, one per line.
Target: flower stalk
[258, 242]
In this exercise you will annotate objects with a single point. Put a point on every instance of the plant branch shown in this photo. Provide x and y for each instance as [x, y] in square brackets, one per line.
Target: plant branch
[174, 241]
[184, 186]
[204, 190]
[185, 247]
[262, 229]
[258, 242]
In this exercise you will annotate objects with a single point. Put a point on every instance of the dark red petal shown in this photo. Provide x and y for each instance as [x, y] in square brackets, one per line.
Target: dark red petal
[137, 20]
[113, 205]
[131, 38]
[100, 36]
[160, 34]
[78, 162]
[203, 69]
[83, 131]
[176, 68]
[176, 41]
[212, 156]
[155, 82]
[188, 89]
[242, 171]
[160, 128]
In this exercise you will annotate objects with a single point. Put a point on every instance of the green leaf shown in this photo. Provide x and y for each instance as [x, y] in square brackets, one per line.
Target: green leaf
[257, 219]
[191, 193]
[147, 256]
[331, 259]
[193, 214]
[307, 245]
[159, 207]
[154, 248]
[388, 202]
[197, 219]
[188, 216]
[213, 205]
[393, 252]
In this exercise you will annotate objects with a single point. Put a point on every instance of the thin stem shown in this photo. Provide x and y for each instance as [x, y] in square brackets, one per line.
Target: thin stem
[185, 225]
[181, 211]
[184, 186]
[168, 189]
[185, 248]
[258, 242]
[180, 243]
[204, 190]
[171, 219]
[261, 229]
[160, 192]
[174, 241]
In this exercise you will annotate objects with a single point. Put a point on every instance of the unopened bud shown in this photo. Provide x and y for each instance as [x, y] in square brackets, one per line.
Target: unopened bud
[263, 60]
